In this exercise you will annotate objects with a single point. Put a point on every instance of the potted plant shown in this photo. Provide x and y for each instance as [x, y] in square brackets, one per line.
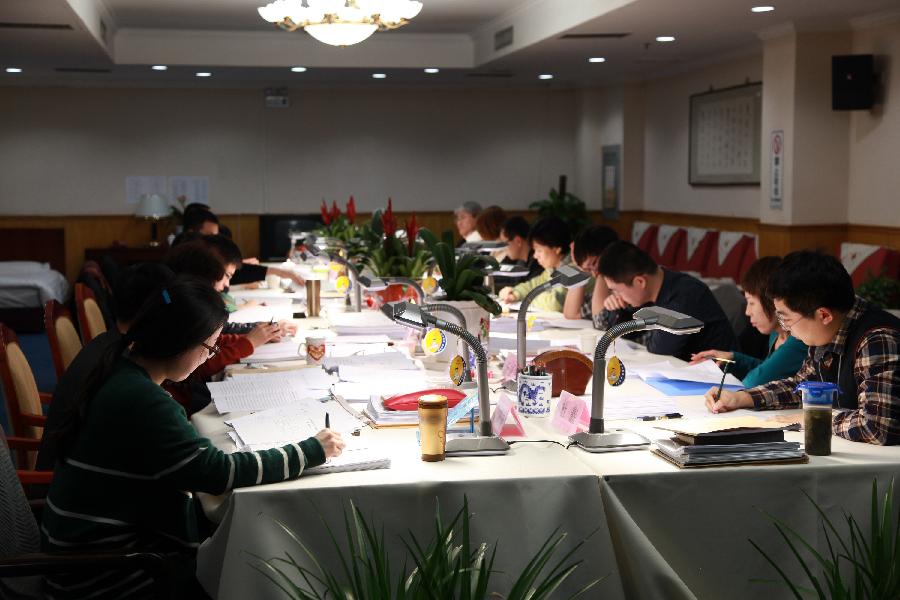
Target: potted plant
[396, 255]
[462, 285]
[881, 290]
[568, 207]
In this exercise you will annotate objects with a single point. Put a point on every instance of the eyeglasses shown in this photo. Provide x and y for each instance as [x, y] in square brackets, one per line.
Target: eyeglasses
[213, 350]
[787, 326]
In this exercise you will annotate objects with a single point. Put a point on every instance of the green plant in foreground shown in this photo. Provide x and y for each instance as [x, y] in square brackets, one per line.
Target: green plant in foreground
[854, 568]
[462, 278]
[445, 569]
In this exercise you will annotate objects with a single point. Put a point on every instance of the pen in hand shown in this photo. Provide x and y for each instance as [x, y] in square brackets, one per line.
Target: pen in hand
[327, 421]
[722, 382]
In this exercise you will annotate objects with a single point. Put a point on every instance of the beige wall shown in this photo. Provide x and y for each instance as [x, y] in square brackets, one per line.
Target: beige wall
[69, 150]
[600, 123]
[874, 146]
[779, 68]
[666, 138]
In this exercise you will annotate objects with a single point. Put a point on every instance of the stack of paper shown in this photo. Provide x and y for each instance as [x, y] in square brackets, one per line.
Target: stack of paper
[507, 341]
[353, 459]
[382, 417]
[510, 325]
[570, 323]
[275, 352]
[265, 391]
[367, 322]
[262, 314]
[687, 380]
[386, 360]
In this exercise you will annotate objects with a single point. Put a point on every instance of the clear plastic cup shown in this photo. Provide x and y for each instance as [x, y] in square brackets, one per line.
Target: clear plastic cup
[818, 399]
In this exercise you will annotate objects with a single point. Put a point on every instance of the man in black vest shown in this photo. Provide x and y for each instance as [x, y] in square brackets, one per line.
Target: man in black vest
[851, 343]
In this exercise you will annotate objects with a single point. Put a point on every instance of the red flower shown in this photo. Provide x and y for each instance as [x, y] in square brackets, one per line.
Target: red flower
[335, 211]
[351, 210]
[325, 216]
[388, 221]
[412, 230]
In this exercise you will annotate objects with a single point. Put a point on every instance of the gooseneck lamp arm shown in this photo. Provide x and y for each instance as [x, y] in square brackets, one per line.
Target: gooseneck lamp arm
[481, 362]
[460, 320]
[522, 320]
[354, 278]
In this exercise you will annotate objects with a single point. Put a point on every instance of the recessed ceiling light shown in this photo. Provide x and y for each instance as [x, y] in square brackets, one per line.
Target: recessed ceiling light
[597, 59]
[298, 69]
[432, 70]
[159, 67]
[545, 76]
[665, 38]
[203, 74]
[13, 70]
[379, 76]
[759, 9]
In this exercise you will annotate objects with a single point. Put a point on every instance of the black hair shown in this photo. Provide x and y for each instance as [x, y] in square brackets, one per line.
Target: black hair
[173, 320]
[622, 261]
[552, 232]
[194, 219]
[227, 250]
[592, 241]
[516, 226]
[196, 206]
[225, 231]
[184, 237]
[757, 279]
[135, 284]
[807, 280]
[196, 259]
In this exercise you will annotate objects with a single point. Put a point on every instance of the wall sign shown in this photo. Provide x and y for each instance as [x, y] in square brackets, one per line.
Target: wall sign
[776, 149]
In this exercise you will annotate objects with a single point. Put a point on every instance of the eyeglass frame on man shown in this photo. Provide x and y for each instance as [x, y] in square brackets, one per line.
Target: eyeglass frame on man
[785, 326]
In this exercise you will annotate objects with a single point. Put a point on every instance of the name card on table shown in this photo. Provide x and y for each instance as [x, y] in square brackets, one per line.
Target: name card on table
[572, 414]
[465, 405]
[510, 370]
[501, 415]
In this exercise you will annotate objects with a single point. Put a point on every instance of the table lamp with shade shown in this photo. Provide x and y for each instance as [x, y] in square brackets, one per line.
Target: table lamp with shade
[153, 208]
[597, 438]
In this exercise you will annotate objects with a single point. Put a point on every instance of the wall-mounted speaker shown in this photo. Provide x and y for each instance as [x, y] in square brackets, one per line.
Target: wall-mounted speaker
[853, 82]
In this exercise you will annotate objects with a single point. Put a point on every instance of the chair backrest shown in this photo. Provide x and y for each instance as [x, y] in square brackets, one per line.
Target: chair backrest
[694, 253]
[727, 256]
[90, 317]
[62, 335]
[643, 234]
[18, 384]
[864, 261]
[667, 244]
[20, 532]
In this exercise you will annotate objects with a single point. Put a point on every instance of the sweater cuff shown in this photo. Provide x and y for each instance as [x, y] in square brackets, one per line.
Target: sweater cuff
[313, 452]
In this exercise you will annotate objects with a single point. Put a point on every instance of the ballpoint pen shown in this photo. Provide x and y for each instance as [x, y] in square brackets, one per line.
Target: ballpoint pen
[722, 382]
[327, 421]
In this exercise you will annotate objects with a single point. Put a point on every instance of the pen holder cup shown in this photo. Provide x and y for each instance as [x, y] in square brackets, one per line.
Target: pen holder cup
[534, 393]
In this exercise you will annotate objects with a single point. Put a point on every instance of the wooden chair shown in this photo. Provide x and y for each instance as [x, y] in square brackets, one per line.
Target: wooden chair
[23, 400]
[90, 317]
[62, 335]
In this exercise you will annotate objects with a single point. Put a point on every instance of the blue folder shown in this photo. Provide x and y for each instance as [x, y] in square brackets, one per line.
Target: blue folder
[677, 387]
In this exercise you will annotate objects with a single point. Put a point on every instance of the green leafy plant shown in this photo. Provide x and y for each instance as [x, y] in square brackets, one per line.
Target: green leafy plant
[881, 290]
[854, 568]
[446, 568]
[568, 207]
[462, 278]
[397, 256]
[358, 238]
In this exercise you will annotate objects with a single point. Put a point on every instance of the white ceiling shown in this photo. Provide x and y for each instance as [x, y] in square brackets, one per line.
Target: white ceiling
[229, 38]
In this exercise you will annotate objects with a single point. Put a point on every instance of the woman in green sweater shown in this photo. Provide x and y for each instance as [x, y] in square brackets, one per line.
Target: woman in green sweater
[130, 460]
[550, 239]
[786, 353]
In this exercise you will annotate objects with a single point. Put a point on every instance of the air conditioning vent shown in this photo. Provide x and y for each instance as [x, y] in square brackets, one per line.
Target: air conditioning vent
[7, 25]
[594, 36]
[490, 74]
[503, 38]
[81, 70]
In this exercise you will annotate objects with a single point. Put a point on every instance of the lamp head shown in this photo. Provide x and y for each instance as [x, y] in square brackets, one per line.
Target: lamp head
[668, 320]
[373, 284]
[568, 276]
[404, 313]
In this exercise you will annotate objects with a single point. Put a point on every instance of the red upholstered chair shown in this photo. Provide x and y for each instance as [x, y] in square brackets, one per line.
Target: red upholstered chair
[863, 261]
[23, 400]
[694, 253]
[90, 317]
[643, 234]
[727, 256]
[667, 244]
[62, 335]
[750, 256]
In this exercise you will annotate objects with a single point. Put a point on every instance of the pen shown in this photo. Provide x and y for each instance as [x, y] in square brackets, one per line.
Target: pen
[661, 417]
[724, 360]
[327, 421]
[722, 382]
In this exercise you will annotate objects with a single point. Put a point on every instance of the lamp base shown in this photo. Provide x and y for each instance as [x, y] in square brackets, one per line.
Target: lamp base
[615, 440]
[476, 445]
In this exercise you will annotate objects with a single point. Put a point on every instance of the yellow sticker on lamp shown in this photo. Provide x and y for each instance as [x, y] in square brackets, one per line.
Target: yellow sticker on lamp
[429, 285]
[434, 342]
[530, 321]
[336, 267]
[342, 283]
[615, 371]
[458, 368]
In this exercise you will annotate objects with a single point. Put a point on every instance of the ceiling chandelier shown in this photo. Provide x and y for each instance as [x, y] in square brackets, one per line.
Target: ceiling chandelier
[340, 22]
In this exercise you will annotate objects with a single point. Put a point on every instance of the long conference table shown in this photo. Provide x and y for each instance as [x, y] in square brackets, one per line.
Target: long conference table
[650, 530]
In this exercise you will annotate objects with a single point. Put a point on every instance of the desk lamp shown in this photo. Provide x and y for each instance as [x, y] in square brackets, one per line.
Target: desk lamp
[316, 250]
[564, 275]
[485, 442]
[373, 284]
[420, 293]
[461, 321]
[596, 439]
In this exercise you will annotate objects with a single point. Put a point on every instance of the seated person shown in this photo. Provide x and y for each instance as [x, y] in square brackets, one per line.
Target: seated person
[130, 460]
[851, 343]
[635, 280]
[514, 234]
[465, 215]
[132, 286]
[586, 302]
[489, 223]
[786, 353]
[550, 240]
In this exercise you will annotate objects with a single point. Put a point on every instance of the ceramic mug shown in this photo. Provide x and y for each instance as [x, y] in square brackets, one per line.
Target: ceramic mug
[273, 282]
[315, 350]
[534, 392]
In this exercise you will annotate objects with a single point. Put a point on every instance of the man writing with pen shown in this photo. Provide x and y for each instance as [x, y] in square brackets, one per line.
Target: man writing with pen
[852, 344]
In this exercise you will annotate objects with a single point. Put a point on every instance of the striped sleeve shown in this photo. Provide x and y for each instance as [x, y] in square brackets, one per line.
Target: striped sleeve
[780, 394]
[877, 370]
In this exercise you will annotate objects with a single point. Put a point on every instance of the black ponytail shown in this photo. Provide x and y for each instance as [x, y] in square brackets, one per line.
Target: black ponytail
[171, 321]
